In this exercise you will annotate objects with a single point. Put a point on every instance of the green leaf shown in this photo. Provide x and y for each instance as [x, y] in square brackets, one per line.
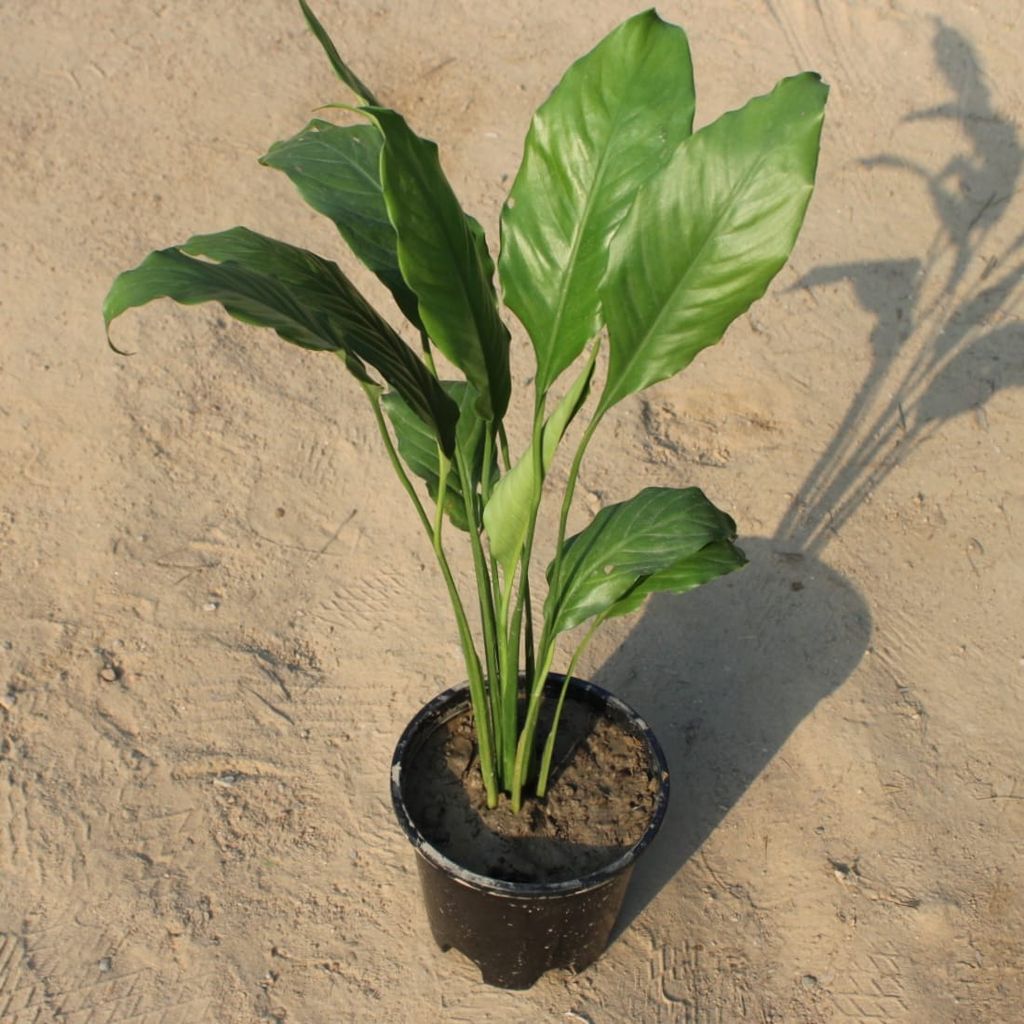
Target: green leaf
[613, 120]
[627, 545]
[337, 171]
[444, 260]
[713, 560]
[513, 501]
[341, 69]
[708, 234]
[418, 446]
[306, 299]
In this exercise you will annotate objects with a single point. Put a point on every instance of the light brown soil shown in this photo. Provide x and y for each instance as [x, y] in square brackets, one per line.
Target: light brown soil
[217, 613]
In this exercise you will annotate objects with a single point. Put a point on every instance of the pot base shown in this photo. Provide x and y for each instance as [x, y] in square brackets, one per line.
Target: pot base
[515, 940]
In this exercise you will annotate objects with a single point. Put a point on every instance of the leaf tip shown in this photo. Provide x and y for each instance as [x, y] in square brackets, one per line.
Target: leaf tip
[110, 343]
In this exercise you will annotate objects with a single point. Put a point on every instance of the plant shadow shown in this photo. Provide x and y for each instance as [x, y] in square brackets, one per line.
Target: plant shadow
[726, 673]
[941, 344]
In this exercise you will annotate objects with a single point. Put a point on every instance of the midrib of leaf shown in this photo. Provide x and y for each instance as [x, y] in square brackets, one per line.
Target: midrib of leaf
[462, 266]
[365, 174]
[321, 137]
[581, 225]
[625, 549]
[617, 549]
[681, 283]
[360, 172]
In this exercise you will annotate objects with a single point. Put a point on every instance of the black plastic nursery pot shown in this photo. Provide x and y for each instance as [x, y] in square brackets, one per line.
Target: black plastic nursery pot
[516, 931]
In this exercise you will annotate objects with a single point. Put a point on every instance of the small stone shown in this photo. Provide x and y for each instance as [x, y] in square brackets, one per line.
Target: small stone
[105, 964]
[211, 606]
[809, 981]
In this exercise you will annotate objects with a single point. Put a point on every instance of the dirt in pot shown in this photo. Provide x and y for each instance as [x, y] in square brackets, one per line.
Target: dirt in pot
[598, 805]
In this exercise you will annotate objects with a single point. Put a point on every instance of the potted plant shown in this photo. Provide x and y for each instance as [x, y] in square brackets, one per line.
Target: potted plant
[628, 244]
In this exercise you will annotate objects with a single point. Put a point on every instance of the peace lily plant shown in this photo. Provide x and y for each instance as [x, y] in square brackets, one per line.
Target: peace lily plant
[624, 231]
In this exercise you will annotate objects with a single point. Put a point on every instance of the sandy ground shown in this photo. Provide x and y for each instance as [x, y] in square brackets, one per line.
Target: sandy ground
[216, 613]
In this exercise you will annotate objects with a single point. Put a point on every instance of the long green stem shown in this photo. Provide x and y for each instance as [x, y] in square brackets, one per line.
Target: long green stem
[547, 637]
[396, 463]
[509, 691]
[525, 744]
[478, 698]
[537, 457]
[546, 648]
[496, 685]
[443, 466]
[570, 491]
[485, 476]
[519, 633]
[530, 654]
[549, 743]
[503, 442]
[513, 630]
[539, 660]
[495, 577]
[483, 579]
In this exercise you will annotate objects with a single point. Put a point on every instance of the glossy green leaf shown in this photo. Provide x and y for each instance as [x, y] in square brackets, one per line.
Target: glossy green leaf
[443, 258]
[613, 120]
[628, 544]
[418, 446]
[713, 560]
[705, 238]
[341, 69]
[514, 500]
[337, 171]
[306, 299]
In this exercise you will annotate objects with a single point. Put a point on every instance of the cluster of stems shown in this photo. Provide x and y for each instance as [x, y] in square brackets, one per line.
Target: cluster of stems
[508, 685]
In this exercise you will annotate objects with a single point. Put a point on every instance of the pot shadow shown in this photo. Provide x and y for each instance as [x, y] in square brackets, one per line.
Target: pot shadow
[725, 674]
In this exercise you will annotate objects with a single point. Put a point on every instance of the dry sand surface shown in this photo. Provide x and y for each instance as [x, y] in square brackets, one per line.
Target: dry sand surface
[217, 613]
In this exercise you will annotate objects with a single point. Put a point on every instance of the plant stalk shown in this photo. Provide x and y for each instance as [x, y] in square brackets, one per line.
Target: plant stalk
[510, 668]
[547, 639]
[549, 743]
[509, 691]
[525, 744]
[483, 582]
[477, 692]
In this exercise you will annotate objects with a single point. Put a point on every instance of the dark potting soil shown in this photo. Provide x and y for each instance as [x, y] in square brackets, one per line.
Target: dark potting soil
[598, 804]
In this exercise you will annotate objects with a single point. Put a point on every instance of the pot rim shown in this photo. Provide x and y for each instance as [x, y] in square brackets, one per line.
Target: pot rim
[433, 713]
